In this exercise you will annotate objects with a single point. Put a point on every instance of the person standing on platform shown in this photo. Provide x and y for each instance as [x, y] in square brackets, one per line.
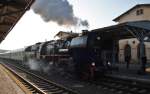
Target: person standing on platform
[127, 60]
[127, 53]
[144, 61]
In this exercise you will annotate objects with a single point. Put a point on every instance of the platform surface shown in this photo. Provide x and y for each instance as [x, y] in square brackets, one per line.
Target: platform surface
[7, 85]
[132, 72]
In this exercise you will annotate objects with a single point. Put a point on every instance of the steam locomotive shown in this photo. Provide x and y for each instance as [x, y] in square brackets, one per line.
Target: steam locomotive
[84, 52]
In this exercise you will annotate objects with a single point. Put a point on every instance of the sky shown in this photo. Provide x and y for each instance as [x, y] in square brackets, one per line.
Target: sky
[99, 13]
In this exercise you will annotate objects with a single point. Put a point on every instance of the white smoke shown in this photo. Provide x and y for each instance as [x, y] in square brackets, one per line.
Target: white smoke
[59, 11]
[38, 65]
[33, 64]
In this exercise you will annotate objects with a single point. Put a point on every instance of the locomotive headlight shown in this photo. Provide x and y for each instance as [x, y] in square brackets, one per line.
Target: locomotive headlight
[93, 64]
[108, 63]
[98, 38]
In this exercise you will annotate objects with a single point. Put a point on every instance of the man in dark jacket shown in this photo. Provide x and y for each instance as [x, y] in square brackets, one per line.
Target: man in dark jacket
[127, 60]
[144, 61]
[127, 53]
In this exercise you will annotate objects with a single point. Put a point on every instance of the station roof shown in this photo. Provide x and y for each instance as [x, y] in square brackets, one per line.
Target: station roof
[10, 13]
[137, 29]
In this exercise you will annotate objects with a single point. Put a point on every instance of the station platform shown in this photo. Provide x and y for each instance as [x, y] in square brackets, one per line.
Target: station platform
[8, 83]
[132, 73]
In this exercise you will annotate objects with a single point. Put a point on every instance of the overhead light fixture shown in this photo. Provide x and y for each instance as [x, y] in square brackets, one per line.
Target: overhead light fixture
[146, 38]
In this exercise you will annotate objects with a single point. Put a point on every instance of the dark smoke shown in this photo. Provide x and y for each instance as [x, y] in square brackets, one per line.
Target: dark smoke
[59, 11]
[84, 23]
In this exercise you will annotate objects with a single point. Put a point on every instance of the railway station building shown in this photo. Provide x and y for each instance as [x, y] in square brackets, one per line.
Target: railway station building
[141, 14]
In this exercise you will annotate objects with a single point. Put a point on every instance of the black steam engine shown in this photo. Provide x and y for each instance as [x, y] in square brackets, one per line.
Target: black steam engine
[85, 52]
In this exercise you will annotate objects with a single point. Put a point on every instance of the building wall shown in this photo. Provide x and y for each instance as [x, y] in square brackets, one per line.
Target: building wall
[132, 16]
[134, 46]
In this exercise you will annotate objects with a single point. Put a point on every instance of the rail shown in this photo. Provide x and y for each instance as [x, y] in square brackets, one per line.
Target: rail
[44, 85]
[28, 84]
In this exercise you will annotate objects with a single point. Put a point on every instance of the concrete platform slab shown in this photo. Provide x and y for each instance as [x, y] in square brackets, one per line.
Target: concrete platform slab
[7, 85]
[131, 73]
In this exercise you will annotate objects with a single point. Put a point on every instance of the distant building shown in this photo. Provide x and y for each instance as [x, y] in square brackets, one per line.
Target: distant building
[140, 12]
[64, 35]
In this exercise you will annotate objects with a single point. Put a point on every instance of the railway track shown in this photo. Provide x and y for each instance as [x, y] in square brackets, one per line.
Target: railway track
[108, 83]
[123, 86]
[36, 84]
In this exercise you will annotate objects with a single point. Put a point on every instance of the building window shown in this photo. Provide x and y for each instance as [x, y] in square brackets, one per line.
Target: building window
[139, 12]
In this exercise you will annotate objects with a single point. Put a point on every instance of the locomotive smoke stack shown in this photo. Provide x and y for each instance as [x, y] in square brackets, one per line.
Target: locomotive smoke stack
[59, 11]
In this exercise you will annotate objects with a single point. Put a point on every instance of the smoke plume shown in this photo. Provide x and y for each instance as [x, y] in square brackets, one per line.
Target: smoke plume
[59, 11]
[38, 65]
[34, 65]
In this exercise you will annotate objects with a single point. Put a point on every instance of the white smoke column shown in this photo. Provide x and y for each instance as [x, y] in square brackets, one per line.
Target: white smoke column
[59, 11]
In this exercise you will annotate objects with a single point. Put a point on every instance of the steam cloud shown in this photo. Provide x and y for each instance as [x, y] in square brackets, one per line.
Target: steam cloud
[59, 11]
[38, 65]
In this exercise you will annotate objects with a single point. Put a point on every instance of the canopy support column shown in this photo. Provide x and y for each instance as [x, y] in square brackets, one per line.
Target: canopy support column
[140, 36]
[114, 51]
[142, 56]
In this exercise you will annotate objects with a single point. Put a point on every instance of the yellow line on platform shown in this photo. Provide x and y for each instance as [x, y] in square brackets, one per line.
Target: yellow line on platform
[14, 78]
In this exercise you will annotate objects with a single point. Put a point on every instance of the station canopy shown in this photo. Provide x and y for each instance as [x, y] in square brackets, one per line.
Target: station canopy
[10, 13]
[137, 29]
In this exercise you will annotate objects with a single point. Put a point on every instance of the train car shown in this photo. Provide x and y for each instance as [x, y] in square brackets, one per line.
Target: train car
[14, 54]
[19, 54]
[5, 55]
